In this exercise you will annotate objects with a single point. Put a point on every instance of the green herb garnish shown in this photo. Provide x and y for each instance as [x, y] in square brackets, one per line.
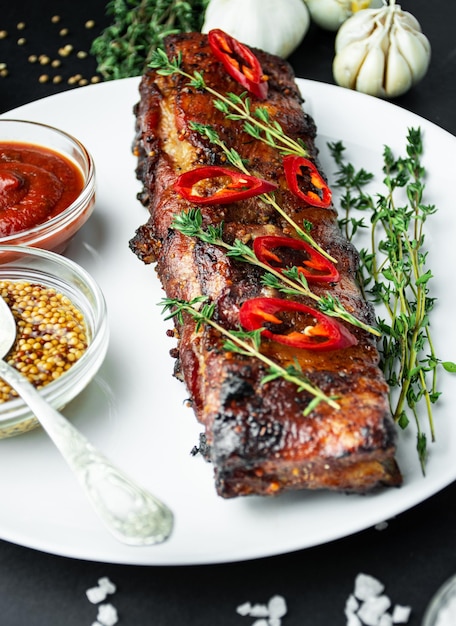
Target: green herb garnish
[125, 47]
[394, 274]
[256, 122]
[290, 281]
[234, 158]
[246, 344]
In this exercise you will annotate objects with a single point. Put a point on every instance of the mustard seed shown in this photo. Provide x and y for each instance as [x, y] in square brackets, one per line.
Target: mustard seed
[42, 352]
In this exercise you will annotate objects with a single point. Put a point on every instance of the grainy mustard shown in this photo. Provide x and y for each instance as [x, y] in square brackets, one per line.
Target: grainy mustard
[51, 333]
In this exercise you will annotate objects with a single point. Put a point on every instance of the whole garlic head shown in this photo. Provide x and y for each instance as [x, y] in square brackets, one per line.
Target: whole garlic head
[330, 14]
[381, 52]
[276, 26]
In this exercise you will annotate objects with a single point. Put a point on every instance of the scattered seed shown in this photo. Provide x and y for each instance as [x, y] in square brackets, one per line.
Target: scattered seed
[21, 41]
[20, 26]
[3, 34]
[63, 32]
[66, 50]
[90, 24]
[55, 19]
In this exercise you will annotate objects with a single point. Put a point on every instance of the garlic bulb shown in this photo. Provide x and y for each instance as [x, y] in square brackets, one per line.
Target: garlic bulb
[276, 26]
[330, 14]
[381, 52]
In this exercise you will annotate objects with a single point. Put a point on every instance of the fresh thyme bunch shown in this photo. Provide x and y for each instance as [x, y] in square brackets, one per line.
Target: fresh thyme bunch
[125, 47]
[394, 273]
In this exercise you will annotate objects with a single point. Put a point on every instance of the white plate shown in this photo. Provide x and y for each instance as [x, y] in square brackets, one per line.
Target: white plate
[135, 410]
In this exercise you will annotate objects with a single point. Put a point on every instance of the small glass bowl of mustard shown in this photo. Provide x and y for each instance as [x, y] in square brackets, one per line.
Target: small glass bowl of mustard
[28, 275]
[47, 185]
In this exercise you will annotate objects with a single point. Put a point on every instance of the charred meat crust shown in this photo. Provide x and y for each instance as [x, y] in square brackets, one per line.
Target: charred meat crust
[255, 435]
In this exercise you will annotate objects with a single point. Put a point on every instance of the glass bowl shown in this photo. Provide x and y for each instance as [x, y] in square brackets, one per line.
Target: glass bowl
[442, 608]
[21, 263]
[54, 233]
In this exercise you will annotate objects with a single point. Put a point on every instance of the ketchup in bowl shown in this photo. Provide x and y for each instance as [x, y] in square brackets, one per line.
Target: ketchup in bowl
[36, 184]
[47, 185]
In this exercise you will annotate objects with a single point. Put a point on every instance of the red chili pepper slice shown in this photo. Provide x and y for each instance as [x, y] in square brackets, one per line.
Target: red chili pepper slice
[321, 332]
[320, 194]
[219, 185]
[239, 61]
[277, 253]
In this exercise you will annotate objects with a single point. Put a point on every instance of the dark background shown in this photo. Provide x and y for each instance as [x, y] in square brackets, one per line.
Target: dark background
[413, 556]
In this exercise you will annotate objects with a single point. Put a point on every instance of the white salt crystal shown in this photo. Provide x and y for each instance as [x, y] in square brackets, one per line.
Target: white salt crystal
[107, 615]
[96, 595]
[386, 620]
[401, 614]
[353, 620]
[351, 605]
[107, 585]
[277, 607]
[373, 608]
[367, 586]
[244, 609]
[259, 610]
[381, 526]
[260, 622]
[274, 621]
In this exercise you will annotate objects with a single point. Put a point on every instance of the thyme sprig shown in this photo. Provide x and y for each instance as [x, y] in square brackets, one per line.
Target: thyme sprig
[124, 47]
[290, 282]
[235, 159]
[246, 344]
[256, 122]
[394, 273]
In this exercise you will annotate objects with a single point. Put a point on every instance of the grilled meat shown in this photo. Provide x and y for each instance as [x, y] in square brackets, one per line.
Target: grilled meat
[255, 434]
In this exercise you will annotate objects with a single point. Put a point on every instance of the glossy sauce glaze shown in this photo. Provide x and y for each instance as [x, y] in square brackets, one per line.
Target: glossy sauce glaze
[36, 184]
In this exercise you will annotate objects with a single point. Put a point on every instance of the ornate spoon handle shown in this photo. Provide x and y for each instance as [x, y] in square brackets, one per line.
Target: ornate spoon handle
[132, 514]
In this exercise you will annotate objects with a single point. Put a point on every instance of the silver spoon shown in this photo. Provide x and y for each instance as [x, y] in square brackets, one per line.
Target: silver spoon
[132, 514]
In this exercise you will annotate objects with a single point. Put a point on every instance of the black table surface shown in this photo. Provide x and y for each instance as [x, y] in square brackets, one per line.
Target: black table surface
[412, 556]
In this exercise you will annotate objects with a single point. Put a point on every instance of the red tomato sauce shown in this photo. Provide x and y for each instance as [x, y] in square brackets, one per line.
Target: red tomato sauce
[36, 184]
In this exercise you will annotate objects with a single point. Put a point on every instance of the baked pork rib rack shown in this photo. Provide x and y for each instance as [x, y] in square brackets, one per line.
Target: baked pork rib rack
[261, 436]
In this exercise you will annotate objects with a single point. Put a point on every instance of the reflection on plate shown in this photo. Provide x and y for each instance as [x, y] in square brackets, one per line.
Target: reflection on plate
[135, 410]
